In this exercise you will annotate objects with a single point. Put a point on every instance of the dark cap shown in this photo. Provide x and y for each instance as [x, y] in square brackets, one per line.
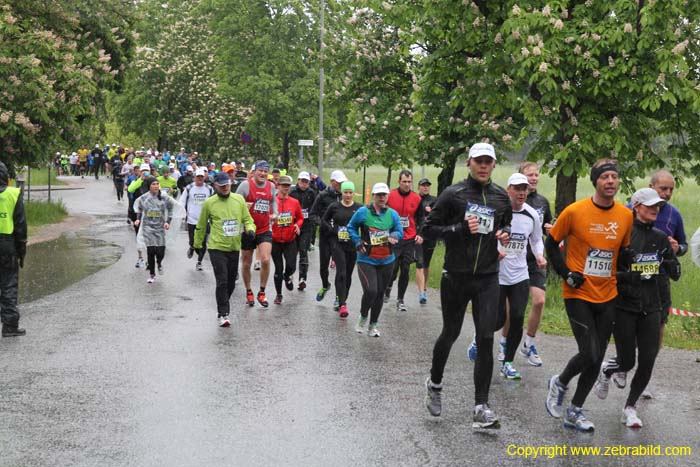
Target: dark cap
[222, 178]
[424, 181]
[262, 165]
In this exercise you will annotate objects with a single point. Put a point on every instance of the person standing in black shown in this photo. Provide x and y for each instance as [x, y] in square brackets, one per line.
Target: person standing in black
[306, 195]
[13, 249]
[424, 251]
[96, 161]
[324, 199]
[472, 217]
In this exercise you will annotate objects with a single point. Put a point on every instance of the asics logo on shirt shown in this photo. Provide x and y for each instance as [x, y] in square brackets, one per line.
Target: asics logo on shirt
[598, 253]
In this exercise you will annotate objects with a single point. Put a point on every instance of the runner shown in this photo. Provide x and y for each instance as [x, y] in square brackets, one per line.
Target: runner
[227, 217]
[470, 273]
[96, 161]
[639, 306]
[135, 188]
[538, 276]
[193, 198]
[513, 273]
[406, 203]
[168, 184]
[336, 220]
[13, 249]
[324, 199]
[154, 211]
[285, 230]
[259, 194]
[374, 230]
[424, 251]
[597, 231]
[305, 194]
[117, 177]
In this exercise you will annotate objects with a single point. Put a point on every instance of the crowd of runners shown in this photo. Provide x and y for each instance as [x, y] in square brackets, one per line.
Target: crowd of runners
[615, 261]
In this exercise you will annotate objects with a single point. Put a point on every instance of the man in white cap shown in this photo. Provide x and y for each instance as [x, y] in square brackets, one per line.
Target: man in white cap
[330, 195]
[513, 275]
[193, 196]
[136, 188]
[472, 217]
[306, 195]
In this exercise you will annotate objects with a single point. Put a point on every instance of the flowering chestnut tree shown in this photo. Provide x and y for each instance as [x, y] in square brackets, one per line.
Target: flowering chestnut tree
[56, 59]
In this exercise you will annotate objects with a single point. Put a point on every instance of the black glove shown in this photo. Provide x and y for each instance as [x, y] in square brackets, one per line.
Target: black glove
[21, 248]
[249, 235]
[359, 246]
[626, 257]
[575, 279]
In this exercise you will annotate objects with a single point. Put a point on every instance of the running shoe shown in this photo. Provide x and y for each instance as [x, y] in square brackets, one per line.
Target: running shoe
[422, 298]
[302, 284]
[224, 321]
[321, 293]
[433, 398]
[509, 372]
[249, 298]
[160, 270]
[140, 263]
[501, 351]
[190, 253]
[646, 394]
[262, 300]
[533, 357]
[575, 419]
[199, 266]
[373, 331]
[387, 295]
[471, 351]
[256, 266]
[312, 247]
[151, 279]
[343, 311]
[630, 418]
[361, 323]
[336, 304]
[484, 417]
[602, 384]
[400, 305]
[332, 264]
[289, 284]
[278, 299]
[555, 397]
[620, 379]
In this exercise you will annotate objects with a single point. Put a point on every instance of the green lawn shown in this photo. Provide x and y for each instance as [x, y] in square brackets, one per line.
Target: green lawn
[681, 332]
[40, 177]
[40, 213]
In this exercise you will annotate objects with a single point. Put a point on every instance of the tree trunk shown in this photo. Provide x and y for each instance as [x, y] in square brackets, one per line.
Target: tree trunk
[566, 191]
[388, 176]
[447, 173]
[285, 151]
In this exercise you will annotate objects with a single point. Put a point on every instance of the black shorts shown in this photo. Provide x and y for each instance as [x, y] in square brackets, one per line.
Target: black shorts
[405, 251]
[252, 244]
[538, 277]
[424, 254]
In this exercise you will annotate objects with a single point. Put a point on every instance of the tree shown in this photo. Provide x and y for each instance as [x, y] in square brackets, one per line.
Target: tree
[56, 60]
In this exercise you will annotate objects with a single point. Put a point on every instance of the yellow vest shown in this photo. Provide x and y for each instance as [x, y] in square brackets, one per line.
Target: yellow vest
[8, 201]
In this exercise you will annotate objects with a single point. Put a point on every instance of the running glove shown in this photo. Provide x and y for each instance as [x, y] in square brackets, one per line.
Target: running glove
[21, 248]
[575, 279]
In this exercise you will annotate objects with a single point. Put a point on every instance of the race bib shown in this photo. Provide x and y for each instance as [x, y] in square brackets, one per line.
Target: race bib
[647, 264]
[284, 219]
[305, 213]
[199, 198]
[484, 214]
[230, 227]
[378, 237]
[154, 214]
[516, 245]
[404, 221]
[343, 234]
[262, 206]
[599, 263]
[165, 189]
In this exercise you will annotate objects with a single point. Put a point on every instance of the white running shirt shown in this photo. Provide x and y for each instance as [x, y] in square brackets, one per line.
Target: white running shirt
[525, 227]
[193, 197]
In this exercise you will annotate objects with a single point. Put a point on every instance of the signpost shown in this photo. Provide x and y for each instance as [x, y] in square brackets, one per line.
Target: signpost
[302, 143]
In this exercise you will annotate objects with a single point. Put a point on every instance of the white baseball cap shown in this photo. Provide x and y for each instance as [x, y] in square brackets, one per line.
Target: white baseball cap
[339, 176]
[189, 168]
[518, 179]
[304, 176]
[145, 167]
[172, 166]
[380, 188]
[482, 149]
[647, 197]
[200, 171]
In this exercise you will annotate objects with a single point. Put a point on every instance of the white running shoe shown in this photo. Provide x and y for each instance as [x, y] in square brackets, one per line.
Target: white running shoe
[602, 385]
[373, 331]
[256, 266]
[533, 357]
[501, 351]
[224, 322]
[555, 397]
[620, 379]
[361, 323]
[630, 418]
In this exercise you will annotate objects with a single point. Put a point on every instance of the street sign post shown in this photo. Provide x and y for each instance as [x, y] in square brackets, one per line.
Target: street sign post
[302, 143]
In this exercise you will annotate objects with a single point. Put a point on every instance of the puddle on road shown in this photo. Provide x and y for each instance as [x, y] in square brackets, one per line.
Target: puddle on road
[54, 265]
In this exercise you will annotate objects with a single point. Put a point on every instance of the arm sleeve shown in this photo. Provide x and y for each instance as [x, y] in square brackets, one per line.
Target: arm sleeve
[275, 211]
[438, 223]
[671, 264]
[243, 189]
[201, 229]
[327, 216]
[555, 257]
[680, 238]
[536, 242]
[396, 228]
[135, 185]
[356, 221]
[298, 215]
[19, 218]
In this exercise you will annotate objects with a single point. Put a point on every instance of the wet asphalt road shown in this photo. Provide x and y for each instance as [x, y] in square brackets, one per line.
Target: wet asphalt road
[114, 372]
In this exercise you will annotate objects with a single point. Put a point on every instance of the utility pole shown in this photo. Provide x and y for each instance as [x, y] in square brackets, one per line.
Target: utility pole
[320, 95]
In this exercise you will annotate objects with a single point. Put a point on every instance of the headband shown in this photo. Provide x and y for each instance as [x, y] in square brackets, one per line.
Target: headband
[598, 171]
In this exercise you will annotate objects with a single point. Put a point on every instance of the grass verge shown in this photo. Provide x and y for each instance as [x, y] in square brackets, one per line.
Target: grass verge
[40, 213]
